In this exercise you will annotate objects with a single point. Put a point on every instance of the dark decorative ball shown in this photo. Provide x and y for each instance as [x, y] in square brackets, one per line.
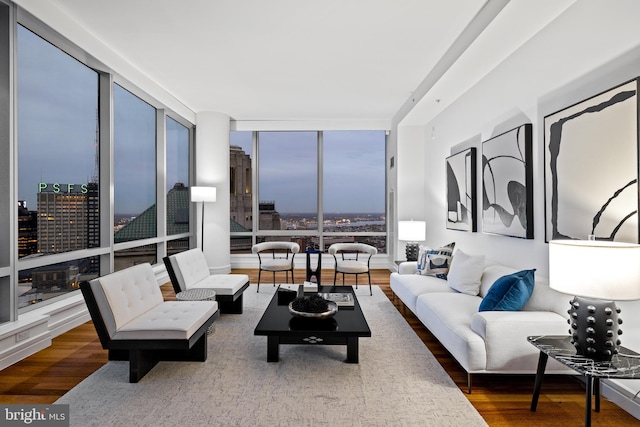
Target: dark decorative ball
[310, 304]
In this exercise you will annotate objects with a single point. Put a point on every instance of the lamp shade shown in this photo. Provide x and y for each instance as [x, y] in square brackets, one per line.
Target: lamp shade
[595, 269]
[411, 231]
[203, 194]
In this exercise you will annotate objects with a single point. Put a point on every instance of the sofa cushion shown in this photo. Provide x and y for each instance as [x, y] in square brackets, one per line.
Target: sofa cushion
[448, 317]
[409, 286]
[465, 273]
[510, 292]
[436, 262]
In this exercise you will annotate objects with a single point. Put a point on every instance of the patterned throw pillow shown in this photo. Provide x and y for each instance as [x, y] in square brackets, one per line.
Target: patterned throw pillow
[436, 262]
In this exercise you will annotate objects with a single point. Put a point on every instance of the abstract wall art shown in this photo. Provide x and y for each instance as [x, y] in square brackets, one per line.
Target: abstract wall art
[507, 184]
[591, 168]
[461, 191]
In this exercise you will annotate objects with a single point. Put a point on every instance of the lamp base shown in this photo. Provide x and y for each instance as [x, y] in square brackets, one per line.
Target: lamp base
[594, 327]
[411, 251]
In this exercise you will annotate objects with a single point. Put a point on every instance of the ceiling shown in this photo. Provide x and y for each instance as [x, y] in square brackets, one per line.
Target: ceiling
[313, 60]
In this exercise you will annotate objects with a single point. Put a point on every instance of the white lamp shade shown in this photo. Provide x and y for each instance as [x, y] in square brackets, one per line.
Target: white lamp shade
[411, 231]
[203, 194]
[595, 269]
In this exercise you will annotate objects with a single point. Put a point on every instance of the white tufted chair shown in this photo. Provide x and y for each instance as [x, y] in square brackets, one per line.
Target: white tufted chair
[352, 258]
[275, 256]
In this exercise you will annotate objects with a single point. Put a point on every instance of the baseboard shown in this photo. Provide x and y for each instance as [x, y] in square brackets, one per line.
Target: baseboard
[33, 331]
[621, 396]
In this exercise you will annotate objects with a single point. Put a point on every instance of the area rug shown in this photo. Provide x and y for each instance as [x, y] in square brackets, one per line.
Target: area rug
[398, 382]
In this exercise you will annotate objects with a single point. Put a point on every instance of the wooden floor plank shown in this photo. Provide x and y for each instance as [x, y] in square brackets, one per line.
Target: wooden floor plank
[502, 400]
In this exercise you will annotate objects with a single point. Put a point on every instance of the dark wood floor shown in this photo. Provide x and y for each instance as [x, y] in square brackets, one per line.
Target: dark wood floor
[502, 400]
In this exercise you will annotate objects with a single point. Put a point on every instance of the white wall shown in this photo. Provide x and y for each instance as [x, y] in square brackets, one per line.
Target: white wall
[591, 47]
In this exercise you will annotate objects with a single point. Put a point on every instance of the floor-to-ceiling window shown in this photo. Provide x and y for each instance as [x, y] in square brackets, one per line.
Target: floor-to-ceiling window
[177, 184]
[58, 168]
[354, 181]
[82, 132]
[315, 188]
[134, 177]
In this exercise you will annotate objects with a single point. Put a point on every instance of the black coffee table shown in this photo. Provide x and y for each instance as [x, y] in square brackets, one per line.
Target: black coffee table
[344, 328]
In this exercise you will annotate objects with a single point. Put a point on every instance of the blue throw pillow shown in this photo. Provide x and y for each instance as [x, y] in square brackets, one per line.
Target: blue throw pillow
[510, 292]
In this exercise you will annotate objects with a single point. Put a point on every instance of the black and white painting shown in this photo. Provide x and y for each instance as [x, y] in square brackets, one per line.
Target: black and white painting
[591, 168]
[461, 191]
[507, 184]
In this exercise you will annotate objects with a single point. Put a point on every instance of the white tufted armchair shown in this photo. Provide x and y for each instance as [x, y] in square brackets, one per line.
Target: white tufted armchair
[352, 258]
[275, 256]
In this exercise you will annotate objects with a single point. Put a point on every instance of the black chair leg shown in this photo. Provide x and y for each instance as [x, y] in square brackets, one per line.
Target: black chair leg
[335, 274]
[356, 281]
[370, 289]
[259, 271]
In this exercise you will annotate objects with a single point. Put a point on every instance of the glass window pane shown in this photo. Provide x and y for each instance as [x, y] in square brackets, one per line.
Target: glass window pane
[354, 184]
[287, 177]
[126, 258]
[44, 283]
[177, 245]
[57, 150]
[134, 165]
[177, 178]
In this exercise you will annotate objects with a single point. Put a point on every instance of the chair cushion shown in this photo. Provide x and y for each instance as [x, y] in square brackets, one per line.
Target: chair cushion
[169, 320]
[190, 267]
[353, 267]
[276, 264]
[126, 294]
[223, 284]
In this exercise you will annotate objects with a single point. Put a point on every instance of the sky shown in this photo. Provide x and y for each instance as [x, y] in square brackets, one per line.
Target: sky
[57, 125]
[353, 163]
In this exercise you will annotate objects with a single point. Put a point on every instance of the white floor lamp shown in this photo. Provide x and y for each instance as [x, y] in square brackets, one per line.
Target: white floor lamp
[203, 195]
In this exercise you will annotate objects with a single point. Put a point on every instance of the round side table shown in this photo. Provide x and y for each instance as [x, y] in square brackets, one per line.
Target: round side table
[198, 294]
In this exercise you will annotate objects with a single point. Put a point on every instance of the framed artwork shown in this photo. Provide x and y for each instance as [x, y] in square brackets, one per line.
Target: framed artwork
[461, 191]
[591, 168]
[507, 184]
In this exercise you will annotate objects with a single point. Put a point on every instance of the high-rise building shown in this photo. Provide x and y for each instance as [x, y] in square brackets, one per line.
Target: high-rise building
[67, 217]
[240, 187]
[27, 230]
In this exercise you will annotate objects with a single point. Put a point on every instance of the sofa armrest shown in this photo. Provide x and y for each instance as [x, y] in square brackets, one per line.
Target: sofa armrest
[509, 330]
[408, 267]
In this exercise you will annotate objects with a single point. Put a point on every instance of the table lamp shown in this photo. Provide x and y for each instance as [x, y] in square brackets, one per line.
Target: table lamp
[203, 195]
[597, 273]
[412, 232]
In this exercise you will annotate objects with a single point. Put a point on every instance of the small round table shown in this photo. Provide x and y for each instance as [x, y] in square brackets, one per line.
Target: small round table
[198, 294]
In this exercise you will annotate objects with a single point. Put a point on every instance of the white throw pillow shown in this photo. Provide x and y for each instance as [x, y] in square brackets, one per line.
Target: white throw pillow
[465, 273]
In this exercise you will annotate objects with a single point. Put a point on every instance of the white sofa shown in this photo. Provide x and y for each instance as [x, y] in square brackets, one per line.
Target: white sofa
[488, 341]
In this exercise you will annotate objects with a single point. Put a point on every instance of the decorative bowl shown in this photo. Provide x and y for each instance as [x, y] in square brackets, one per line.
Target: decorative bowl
[333, 308]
